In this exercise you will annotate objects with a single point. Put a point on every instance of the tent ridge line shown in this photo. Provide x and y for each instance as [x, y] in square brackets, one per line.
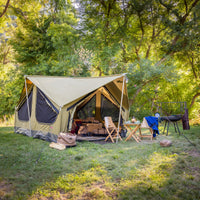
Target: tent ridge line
[90, 77]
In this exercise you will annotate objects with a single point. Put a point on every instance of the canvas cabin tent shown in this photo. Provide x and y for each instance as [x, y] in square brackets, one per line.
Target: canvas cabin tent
[48, 105]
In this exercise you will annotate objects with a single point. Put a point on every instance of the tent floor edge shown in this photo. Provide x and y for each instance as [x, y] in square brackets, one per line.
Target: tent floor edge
[49, 137]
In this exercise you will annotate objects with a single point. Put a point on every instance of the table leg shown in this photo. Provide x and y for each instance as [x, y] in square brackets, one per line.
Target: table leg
[137, 139]
[131, 132]
[135, 136]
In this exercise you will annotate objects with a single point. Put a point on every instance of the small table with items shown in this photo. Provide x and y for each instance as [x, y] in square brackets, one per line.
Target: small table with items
[132, 129]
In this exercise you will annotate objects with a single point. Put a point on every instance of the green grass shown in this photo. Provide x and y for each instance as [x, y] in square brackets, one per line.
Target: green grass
[29, 169]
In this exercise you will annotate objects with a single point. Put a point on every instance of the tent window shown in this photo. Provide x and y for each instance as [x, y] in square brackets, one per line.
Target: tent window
[109, 109]
[23, 110]
[88, 110]
[45, 112]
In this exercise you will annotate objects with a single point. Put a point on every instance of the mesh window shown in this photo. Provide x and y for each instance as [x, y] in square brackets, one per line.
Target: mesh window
[23, 110]
[109, 109]
[88, 110]
[45, 111]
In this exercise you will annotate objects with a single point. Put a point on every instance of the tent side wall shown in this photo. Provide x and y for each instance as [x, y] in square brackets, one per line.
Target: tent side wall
[45, 131]
[65, 115]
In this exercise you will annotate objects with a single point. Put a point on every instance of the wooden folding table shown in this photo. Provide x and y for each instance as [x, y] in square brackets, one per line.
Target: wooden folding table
[132, 129]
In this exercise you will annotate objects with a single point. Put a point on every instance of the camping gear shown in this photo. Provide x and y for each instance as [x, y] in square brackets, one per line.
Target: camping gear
[133, 120]
[165, 143]
[173, 112]
[111, 129]
[173, 119]
[48, 105]
[145, 125]
[68, 139]
[57, 146]
[123, 132]
[153, 123]
[132, 129]
[137, 126]
[90, 129]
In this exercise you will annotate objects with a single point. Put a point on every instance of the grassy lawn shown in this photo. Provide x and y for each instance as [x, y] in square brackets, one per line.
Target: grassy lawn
[29, 169]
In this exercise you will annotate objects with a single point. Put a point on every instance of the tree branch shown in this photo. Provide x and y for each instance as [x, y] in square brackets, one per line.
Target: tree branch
[142, 29]
[193, 99]
[5, 9]
[182, 21]
[188, 11]
[5, 56]
[186, 6]
[191, 61]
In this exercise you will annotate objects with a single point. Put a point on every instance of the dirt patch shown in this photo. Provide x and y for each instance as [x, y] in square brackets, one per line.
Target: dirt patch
[194, 153]
[39, 197]
[5, 190]
[94, 191]
[98, 191]
[102, 142]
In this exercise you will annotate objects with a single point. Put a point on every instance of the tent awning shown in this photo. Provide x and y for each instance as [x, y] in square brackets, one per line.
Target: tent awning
[63, 90]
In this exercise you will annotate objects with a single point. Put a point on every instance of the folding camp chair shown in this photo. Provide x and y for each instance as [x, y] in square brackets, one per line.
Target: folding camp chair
[144, 125]
[111, 129]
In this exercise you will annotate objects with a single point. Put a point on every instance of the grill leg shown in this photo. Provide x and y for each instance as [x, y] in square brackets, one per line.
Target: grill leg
[167, 127]
[164, 127]
[178, 128]
[175, 126]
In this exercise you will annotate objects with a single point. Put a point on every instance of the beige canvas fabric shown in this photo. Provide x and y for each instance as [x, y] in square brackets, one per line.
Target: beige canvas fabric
[67, 94]
[63, 90]
[144, 124]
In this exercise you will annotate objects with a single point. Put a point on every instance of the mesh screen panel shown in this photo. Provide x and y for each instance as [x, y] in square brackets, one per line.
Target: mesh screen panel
[88, 110]
[44, 111]
[23, 110]
[109, 109]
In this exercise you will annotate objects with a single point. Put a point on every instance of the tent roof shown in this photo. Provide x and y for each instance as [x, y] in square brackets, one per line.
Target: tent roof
[63, 90]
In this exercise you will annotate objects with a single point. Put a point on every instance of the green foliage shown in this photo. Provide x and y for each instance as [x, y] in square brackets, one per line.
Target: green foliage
[11, 86]
[46, 43]
[156, 42]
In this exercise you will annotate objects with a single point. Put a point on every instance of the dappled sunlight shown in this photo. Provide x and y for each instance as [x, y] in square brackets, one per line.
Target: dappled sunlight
[96, 183]
[150, 177]
[89, 184]
[127, 170]
[130, 163]
[158, 166]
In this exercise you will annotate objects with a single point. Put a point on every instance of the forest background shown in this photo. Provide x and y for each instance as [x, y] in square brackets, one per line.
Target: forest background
[156, 42]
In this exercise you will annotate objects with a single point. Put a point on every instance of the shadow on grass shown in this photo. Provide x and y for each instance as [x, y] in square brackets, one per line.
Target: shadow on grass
[93, 171]
[165, 176]
[29, 164]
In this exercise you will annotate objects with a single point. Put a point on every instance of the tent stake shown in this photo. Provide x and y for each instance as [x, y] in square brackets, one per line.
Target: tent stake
[28, 106]
[120, 110]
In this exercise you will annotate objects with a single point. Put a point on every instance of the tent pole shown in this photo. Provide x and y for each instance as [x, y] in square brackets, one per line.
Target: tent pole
[120, 110]
[28, 106]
